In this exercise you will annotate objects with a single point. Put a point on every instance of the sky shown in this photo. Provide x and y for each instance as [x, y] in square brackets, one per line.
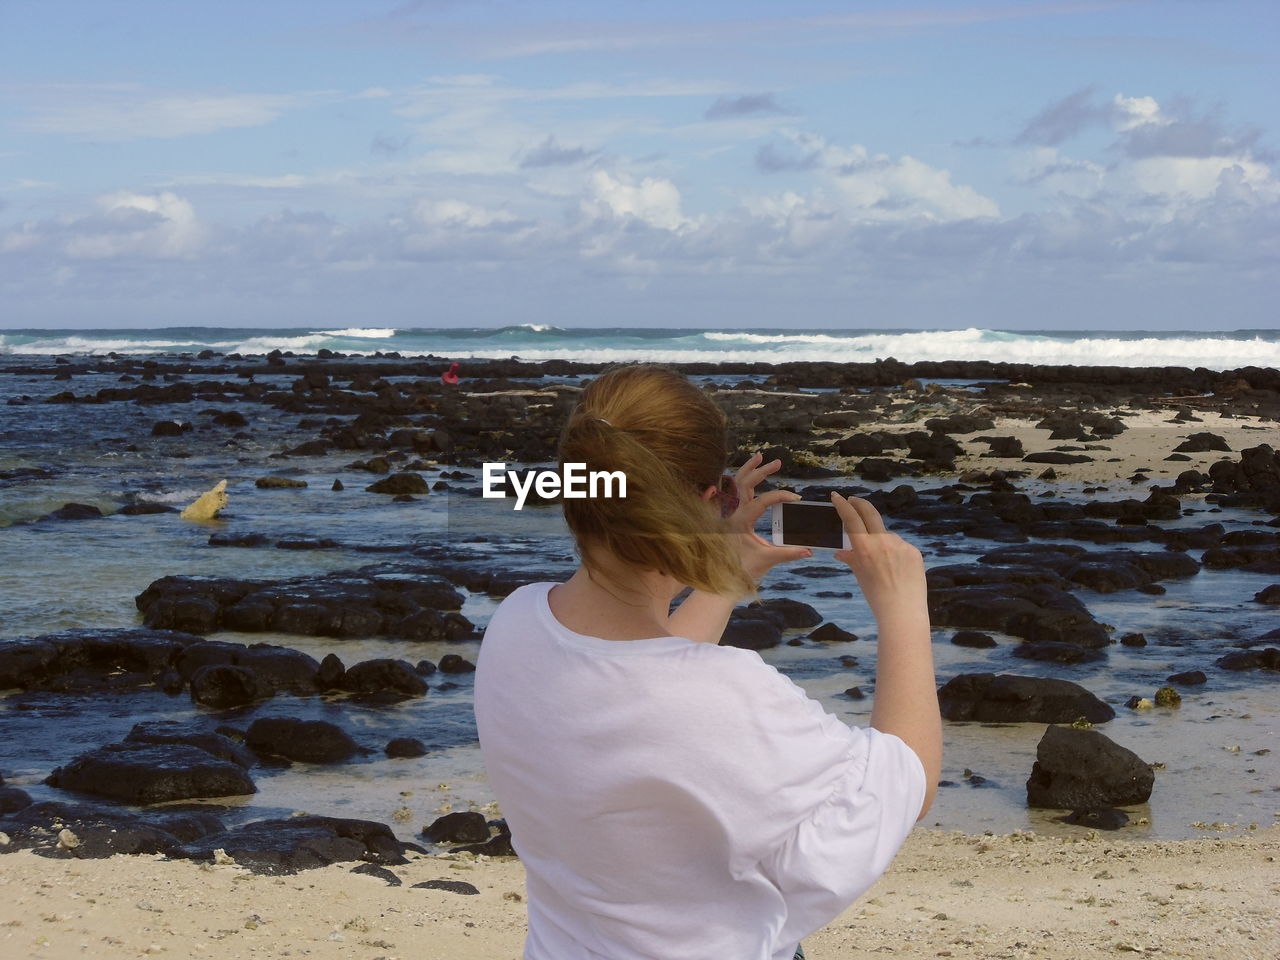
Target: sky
[1029, 165]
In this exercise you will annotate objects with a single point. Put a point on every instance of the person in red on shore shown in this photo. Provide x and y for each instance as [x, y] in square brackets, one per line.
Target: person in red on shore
[450, 377]
[672, 798]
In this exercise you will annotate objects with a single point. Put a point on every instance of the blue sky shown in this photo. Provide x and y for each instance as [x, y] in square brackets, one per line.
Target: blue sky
[1015, 165]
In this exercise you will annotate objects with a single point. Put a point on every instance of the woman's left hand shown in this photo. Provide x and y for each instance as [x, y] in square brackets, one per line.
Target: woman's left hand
[759, 556]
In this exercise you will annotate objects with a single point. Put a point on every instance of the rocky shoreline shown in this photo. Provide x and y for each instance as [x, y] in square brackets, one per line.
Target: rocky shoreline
[977, 463]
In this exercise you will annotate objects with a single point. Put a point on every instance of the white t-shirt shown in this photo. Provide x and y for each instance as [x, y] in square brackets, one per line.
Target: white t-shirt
[674, 800]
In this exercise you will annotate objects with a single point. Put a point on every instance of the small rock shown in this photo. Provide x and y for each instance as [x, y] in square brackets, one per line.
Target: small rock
[830, 633]
[67, 840]
[462, 827]
[1168, 697]
[973, 638]
[382, 873]
[451, 886]
[273, 482]
[452, 663]
[405, 747]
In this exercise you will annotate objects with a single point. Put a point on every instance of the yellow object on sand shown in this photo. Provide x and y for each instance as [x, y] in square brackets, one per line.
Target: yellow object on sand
[208, 504]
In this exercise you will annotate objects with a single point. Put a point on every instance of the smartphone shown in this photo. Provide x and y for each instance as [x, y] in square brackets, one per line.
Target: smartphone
[805, 523]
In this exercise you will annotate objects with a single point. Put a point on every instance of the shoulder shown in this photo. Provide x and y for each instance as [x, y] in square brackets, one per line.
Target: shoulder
[522, 601]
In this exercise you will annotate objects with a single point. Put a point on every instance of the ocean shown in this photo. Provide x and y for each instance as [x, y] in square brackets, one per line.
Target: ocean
[1217, 350]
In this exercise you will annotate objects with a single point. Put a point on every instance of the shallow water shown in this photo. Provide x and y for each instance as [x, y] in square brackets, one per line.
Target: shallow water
[56, 575]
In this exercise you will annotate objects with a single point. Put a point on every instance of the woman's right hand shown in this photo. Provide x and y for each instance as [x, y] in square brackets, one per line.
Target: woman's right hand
[890, 571]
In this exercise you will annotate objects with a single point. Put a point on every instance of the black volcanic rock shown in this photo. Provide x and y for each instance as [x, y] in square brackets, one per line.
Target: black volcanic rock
[407, 601]
[785, 612]
[74, 511]
[383, 675]
[973, 638]
[152, 773]
[461, 827]
[1077, 769]
[1005, 698]
[191, 734]
[751, 634]
[100, 832]
[405, 747]
[831, 633]
[89, 659]
[224, 685]
[1054, 457]
[1265, 659]
[310, 741]
[1010, 447]
[1268, 595]
[400, 483]
[285, 846]
[1202, 443]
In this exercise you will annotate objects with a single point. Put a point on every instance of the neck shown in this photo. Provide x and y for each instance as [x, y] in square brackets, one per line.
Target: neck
[616, 604]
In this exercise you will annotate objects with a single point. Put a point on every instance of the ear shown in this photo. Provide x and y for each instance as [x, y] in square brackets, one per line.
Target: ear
[710, 492]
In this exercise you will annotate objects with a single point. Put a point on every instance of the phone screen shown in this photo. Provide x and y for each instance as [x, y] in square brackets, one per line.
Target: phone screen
[811, 525]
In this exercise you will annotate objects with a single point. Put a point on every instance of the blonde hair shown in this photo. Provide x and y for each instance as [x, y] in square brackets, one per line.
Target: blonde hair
[668, 438]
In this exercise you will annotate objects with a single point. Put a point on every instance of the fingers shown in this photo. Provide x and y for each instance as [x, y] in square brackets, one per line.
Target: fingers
[791, 553]
[851, 518]
[753, 510]
[753, 471]
[740, 478]
[869, 514]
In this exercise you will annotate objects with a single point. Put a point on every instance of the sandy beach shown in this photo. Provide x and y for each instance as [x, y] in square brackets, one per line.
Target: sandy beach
[947, 895]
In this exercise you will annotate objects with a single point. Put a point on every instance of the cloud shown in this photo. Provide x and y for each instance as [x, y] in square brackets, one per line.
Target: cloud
[460, 214]
[551, 154]
[1181, 132]
[1164, 159]
[1063, 119]
[772, 158]
[1141, 125]
[115, 112]
[654, 201]
[749, 104]
[876, 186]
[1048, 169]
[122, 225]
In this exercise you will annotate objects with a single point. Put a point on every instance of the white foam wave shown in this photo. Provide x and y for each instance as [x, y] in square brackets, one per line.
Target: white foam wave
[1212, 353]
[364, 333]
[91, 347]
[864, 342]
[308, 343]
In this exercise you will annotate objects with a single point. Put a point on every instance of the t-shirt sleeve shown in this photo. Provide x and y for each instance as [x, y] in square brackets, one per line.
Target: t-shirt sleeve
[849, 797]
[849, 839]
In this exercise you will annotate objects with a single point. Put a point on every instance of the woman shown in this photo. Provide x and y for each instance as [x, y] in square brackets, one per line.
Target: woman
[673, 799]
